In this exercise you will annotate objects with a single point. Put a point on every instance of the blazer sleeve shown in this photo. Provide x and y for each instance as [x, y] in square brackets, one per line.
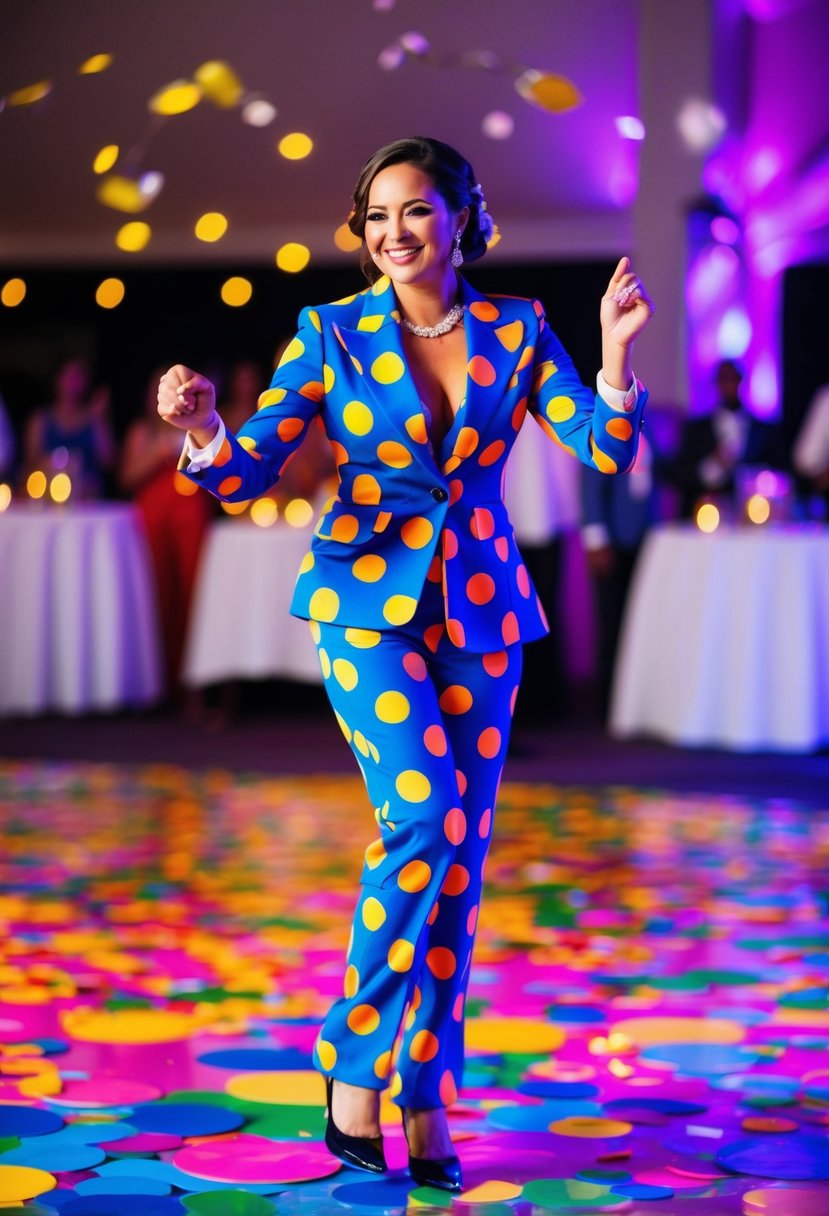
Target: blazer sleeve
[574, 416]
[250, 462]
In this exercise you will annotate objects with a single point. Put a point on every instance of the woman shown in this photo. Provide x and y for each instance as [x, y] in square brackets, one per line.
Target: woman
[416, 594]
[74, 432]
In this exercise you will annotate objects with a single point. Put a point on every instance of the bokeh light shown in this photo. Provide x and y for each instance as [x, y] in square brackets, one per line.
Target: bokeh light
[734, 333]
[263, 512]
[293, 257]
[5, 496]
[31, 94]
[134, 236]
[298, 513]
[345, 239]
[415, 43]
[220, 84]
[236, 291]
[725, 230]
[110, 293]
[707, 517]
[13, 292]
[175, 98]
[295, 146]
[105, 159]
[211, 226]
[555, 94]
[629, 127]
[391, 57]
[36, 484]
[258, 112]
[95, 63]
[151, 184]
[758, 509]
[60, 487]
[701, 124]
[498, 125]
[122, 194]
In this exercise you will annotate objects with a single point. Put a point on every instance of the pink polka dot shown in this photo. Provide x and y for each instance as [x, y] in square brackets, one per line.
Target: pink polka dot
[414, 666]
[461, 780]
[455, 491]
[432, 636]
[523, 581]
[502, 548]
[485, 824]
[483, 523]
[456, 881]
[456, 631]
[454, 825]
[450, 544]
[435, 572]
[509, 629]
[513, 699]
[480, 588]
[472, 921]
[489, 742]
[457, 1008]
[519, 413]
[434, 738]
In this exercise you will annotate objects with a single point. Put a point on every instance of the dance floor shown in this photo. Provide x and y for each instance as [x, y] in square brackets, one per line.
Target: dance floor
[648, 1017]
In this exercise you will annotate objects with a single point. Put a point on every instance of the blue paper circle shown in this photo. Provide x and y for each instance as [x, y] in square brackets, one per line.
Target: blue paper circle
[185, 1118]
[558, 1089]
[382, 1193]
[665, 1106]
[134, 1185]
[793, 1158]
[55, 1159]
[121, 1205]
[702, 1059]
[642, 1190]
[539, 1118]
[28, 1121]
[253, 1059]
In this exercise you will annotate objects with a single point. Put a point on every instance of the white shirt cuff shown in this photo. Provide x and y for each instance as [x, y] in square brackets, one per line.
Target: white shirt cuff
[202, 458]
[595, 536]
[617, 398]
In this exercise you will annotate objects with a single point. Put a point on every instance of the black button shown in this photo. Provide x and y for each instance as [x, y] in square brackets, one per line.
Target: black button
[439, 494]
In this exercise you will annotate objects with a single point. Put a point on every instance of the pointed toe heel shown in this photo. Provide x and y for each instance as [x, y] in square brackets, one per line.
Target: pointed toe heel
[444, 1174]
[360, 1152]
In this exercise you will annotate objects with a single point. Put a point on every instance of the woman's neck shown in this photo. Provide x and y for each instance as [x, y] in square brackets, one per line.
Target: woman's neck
[428, 303]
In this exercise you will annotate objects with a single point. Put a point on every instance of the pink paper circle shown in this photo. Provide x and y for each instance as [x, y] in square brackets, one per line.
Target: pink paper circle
[105, 1091]
[256, 1159]
[145, 1142]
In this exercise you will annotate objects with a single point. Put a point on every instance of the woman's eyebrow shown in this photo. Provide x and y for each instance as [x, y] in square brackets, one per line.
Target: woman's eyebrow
[408, 203]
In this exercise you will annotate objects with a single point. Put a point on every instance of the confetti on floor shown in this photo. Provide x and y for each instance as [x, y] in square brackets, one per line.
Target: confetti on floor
[648, 1013]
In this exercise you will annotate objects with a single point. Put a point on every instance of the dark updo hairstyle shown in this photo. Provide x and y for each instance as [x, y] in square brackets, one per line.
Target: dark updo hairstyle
[453, 179]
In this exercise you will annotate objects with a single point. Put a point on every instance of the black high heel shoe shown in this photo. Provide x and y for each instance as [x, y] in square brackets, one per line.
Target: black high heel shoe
[361, 1152]
[444, 1173]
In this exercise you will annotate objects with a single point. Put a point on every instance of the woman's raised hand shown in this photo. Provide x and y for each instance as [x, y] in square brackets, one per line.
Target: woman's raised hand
[626, 306]
[187, 400]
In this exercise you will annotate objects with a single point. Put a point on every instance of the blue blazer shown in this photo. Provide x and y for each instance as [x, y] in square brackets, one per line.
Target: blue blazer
[403, 513]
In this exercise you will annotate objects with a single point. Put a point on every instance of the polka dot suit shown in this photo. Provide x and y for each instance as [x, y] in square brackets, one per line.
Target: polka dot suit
[418, 601]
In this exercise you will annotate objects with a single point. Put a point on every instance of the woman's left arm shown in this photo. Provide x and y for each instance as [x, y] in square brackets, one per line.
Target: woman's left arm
[625, 311]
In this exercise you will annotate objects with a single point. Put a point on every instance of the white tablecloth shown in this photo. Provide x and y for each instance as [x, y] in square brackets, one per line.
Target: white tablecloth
[726, 640]
[239, 623]
[78, 615]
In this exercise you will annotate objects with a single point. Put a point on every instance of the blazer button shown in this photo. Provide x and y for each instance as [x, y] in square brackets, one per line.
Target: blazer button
[439, 494]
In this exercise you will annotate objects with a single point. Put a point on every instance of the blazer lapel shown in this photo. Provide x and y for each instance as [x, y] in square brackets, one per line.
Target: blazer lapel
[494, 347]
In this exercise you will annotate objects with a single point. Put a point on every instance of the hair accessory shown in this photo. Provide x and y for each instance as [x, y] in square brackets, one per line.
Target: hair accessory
[456, 257]
[478, 191]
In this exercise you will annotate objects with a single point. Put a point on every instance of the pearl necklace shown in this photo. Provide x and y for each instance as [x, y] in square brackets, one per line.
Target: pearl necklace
[454, 315]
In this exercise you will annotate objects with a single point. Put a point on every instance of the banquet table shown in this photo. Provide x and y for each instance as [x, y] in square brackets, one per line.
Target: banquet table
[240, 626]
[78, 612]
[725, 640]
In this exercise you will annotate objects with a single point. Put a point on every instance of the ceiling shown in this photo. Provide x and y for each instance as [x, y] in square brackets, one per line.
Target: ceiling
[317, 62]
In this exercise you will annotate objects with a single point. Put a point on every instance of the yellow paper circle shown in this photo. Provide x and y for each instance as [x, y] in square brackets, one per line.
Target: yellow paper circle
[281, 1088]
[650, 1032]
[19, 1182]
[526, 1035]
[587, 1127]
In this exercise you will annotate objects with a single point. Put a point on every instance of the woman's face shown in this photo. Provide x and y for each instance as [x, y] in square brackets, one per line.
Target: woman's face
[409, 228]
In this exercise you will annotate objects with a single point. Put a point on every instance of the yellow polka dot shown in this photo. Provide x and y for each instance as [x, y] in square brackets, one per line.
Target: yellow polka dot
[358, 418]
[271, 396]
[601, 461]
[362, 639]
[324, 604]
[344, 528]
[559, 409]
[424, 1047]
[249, 444]
[316, 632]
[413, 786]
[416, 533]
[345, 674]
[229, 486]
[619, 428]
[414, 877]
[398, 609]
[416, 426]
[381, 286]
[305, 565]
[351, 981]
[510, 336]
[369, 568]
[382, 1065]
[363, 1019]
[375, 755]
[314, 318]
[293, 350]
[394, 455]
[361, 743]
[392, 707]
[325, 663]
[373, 913]
[289, 428]
[375, 854]
[326, 1054]
[328, 377]
[366, 490]
[591, 1127]
[396, 1086]
[542, 375]
[371, 324]
[401, 955]
[388, 368]
[484, 311]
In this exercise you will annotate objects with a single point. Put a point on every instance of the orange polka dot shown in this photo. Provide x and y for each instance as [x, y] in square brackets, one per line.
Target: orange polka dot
[433, 915]
[223, 455]
[601, 461]
[456, 631]
[414, 877]
[480, 588]
[489, 742]
[394, 454]
[502, 548]
[441, 962]
[519, 414]
[229, 486]
[435, 572]
[416, 533]
[509, 629]
[493, 452]
[472, 921]
[432, 636]
[366, 490]
[456, 881]
[382, 1065]
[496, 663]
[369, 568]
[466, 442]
[522, 578]
[450, 544]
[340, 454]
[345, 528]
[415, 666]
[375, 854]
[543, 373]
[447, 1089]
[351, 981]
[434, 738]
[462, 782]
[363, 1019]
[455, 491]
[401, 956]
[619, 428]
[451, 464]
[314, 390]
[289, 428]
[484, 311]
[483, 523]
[485, 824]
[510, 336]
[527, 356]
[416, 428]
[455, 699]
[454, 825]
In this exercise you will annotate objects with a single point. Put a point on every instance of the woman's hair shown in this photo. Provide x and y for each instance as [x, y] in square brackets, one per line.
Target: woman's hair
[453, 179]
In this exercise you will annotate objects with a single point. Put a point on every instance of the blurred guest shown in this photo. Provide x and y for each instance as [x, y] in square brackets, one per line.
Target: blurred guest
[542, 497]
[74, 433]
[713, 446]
[616, 514]
[810, 454]
[8, 444]
[161, 493]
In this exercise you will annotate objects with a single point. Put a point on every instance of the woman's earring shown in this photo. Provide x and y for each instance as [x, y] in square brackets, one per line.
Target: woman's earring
[456, 257]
